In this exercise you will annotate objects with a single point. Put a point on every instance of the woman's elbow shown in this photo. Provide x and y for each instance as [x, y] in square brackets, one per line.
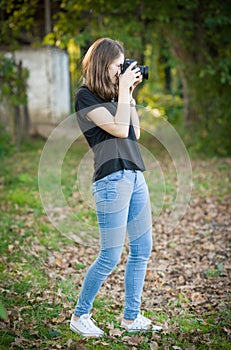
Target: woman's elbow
[122, 132]
[137, 133]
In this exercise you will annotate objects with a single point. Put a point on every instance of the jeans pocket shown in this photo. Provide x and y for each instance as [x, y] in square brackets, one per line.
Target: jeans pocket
[98, 185]
[117, 175]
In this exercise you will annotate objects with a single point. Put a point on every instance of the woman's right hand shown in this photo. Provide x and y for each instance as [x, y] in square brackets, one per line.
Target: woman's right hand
[130, 76]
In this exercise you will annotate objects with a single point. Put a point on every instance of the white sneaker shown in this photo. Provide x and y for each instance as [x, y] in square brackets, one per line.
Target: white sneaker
[141, 323]
[85, 326]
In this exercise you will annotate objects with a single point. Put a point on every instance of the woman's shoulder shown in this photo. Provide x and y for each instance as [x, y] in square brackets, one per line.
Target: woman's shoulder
[85, 94]
[85, 98]
[83, 90]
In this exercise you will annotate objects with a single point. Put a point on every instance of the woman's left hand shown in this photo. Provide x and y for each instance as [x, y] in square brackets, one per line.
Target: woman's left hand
[132, 88]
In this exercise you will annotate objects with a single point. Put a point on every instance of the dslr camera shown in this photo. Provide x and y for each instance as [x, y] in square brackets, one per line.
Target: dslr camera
[143, 69]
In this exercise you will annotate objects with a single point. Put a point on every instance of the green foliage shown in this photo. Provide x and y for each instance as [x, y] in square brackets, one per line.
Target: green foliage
[13, 94]
[212, 139]
[17, 21]
[20, 197]
[190, 40]
[5, 146]
[194, 40]
[13, 82]
[166, 105]
[3, 314]
[85, 21]
[198, 35]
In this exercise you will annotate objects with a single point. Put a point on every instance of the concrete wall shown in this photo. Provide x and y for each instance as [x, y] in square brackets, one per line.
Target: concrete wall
[48, 86]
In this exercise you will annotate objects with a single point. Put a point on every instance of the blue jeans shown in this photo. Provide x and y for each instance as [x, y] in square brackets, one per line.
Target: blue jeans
[122, 204]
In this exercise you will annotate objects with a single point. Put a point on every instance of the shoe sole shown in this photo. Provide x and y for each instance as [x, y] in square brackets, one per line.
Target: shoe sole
[86, 335]
[152, 328]
[137, 330]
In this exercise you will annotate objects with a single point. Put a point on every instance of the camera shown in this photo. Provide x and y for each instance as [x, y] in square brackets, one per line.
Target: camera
[143, 69]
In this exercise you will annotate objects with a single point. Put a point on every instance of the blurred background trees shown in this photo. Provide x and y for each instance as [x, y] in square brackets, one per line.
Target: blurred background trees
[13, 91]
[186, 45]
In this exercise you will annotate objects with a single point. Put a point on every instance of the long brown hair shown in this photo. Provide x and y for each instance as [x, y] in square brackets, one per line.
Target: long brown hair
[95, 67]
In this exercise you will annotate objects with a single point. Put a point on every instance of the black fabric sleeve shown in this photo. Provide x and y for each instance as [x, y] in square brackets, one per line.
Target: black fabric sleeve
[84, 98]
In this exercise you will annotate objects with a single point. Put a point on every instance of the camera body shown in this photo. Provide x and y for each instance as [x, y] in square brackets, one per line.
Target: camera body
[143, 69]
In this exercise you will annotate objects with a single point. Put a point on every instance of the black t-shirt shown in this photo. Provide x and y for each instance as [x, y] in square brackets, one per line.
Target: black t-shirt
[110, 153]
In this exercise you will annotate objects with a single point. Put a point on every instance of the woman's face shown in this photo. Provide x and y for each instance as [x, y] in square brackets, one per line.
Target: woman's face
[115, 68]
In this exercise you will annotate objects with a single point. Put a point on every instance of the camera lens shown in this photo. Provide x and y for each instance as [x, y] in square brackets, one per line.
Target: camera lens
[144, 71]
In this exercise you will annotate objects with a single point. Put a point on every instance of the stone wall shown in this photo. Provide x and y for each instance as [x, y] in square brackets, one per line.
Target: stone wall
[48, 87]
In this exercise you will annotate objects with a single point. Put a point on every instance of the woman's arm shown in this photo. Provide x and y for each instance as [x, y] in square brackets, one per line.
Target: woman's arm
[135, 121]
[134, 115]
[119, 124]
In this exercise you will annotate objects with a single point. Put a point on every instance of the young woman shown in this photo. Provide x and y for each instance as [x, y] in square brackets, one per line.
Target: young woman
[108, 118]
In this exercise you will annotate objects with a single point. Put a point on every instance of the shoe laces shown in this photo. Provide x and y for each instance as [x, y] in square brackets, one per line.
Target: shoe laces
[141, 320]
[142, 317]
[88, 318]
[90, 321]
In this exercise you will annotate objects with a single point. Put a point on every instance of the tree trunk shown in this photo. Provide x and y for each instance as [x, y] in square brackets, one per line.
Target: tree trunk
[23, 113]
[178, 51]
[168, 79]
[48, 24]
[17, 127]
[26, 122]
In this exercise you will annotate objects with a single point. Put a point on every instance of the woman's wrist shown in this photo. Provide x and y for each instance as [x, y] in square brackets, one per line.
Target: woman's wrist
[132, 102]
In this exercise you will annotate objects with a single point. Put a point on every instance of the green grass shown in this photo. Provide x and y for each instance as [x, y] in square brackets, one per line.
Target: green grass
[39, 294]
